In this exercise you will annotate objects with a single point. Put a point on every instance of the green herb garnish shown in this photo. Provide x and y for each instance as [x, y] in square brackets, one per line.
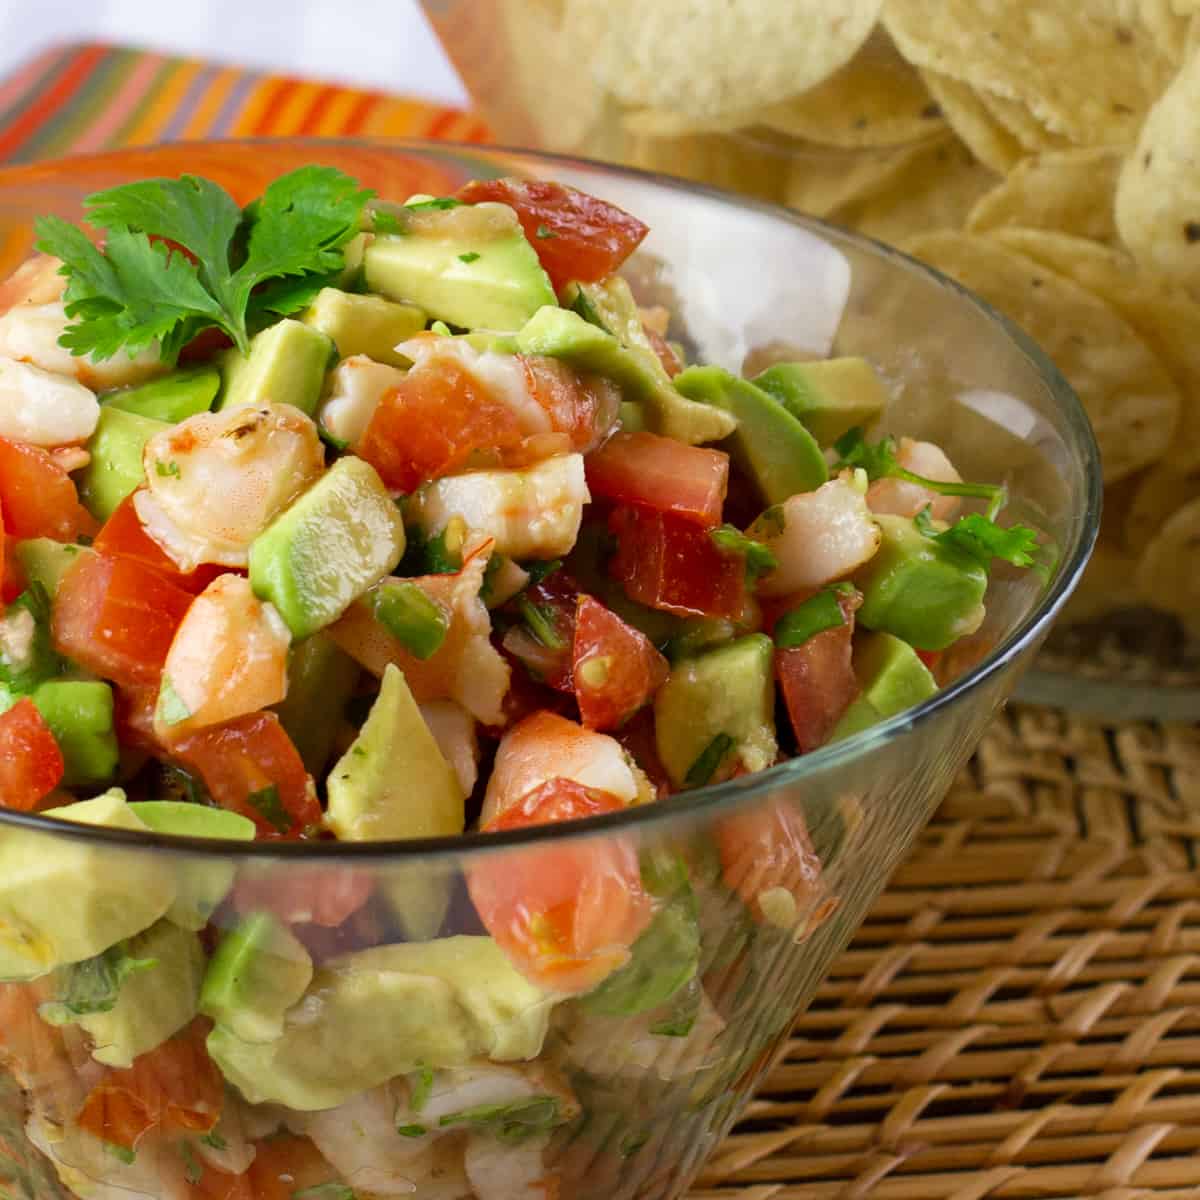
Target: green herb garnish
[542, 622]
[411, 1131]
[817, 614]
[420, 1087]
[414, 619]
[469, 257]
[537, 571]
[982, 540]
[705, 767]
[543, 232]
[325, 1191]
[121, 1153]
[269, 806]
[93, 985]
[139, 289]
[759, 559]
[171, 710]
[22, 675]
[214, 1140]
[167, 470]
[511, 1123]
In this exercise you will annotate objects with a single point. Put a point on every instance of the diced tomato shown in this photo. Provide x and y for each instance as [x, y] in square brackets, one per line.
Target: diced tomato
[175, 1088]
[566, 916]
[575, 235]
[441, 417]
[637, 738]
[285, 1165]
[526, 695]
[123, 536]
[818, 680]
[931, 658]
[672, 564]
[116, 617]
[250, 766]
[666, 356]
[313, 895]
[616, 668]
[662, 474]
[554, 600]
[31, 764]
[133, 717]
[767, 848]
[37, 497]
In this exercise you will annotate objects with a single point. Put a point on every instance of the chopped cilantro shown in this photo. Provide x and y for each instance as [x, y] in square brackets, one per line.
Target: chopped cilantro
[269, 806]
[469, 257]
[537, 571]
[413, 618]
[191, 1168]
[544, 231]
[982, 540]
[21, 673]
[434, 203]
[325, 1191]
[93, 985]
[582, 306]
[139, 290]
[494, 563]
[213, 1140]
[541, 621]
[772, 521]
[411, 1131]
[420, 1087]
[171, 709]
[511, 1123]
[815, 615]
[167, 470]
[385, 221]
[711, 757]
[681, 1016]
[759, 559]
[121, 1153]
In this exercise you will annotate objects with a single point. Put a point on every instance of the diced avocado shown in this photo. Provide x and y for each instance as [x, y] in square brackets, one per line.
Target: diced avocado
[563, 333]
[337, 540]
[830, 397]
[394, 783]
[770, 445]
[200, 885]
[286, 365]
[154, 1001]
[45, 561]
[921, 590]
[665, 957]
[171, 398]
[116, 466]
[63, 900]
[470, 266]
[725, 693]
[80, 715]
[321, 679]
[389, 1011]
[893, 678]
[258, 971]
[367, 325]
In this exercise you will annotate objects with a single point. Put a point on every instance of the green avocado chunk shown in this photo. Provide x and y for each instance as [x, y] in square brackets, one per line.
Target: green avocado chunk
[80, 715]
[64, 900]
[470, 266]
[335, 542]
[829, 397]
[770, 444]
[610, 309]
[389, 1011]
[116, 466]
[200, 885]
[258, 971]
[286, 365]
[367, 325]
[727, 693]
[156, 999]
[171, 398]
[321, 679]
[892, 677]
[923, 591]
[46, 561]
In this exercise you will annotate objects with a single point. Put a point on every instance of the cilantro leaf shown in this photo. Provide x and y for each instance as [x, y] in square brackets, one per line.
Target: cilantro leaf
[92, 986]
[981, 539]
[267, 803]
[818, 613]
[27, 654]
[710, 758]
[510, 1123]
[879, 461]
[179, 256]
[759, 559]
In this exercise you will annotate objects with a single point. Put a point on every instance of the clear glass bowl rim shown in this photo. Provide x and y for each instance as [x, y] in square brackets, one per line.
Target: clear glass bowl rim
[707, 801]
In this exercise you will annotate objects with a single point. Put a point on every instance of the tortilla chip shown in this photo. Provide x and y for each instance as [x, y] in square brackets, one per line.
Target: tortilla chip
[969, 117]
[1087, 69]
[934, 187]
[821, 181]
[1106, 586]
[1168, 575]
[1070, 191]
[1158, 193]
[1015, 116]
[1160, 493]
[738, 161]
[1131, 400]
[1165, 317]
[708, 57]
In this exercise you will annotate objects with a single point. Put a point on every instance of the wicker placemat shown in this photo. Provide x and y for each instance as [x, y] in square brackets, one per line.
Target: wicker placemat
[1019, 1016]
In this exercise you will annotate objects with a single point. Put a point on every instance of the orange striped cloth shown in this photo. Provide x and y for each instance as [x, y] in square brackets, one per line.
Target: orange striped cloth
[89, 97]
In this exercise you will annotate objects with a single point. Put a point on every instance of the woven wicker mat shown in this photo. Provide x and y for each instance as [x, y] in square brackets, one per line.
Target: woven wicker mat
[1020, 1014]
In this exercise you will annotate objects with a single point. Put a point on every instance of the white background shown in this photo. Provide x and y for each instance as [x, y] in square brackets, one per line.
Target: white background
[383, 44]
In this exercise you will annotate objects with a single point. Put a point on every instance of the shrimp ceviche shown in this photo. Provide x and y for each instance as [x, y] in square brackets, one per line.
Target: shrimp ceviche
[330, 518]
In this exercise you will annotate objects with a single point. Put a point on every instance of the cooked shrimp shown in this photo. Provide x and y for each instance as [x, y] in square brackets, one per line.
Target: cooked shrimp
[533, 513]
[44, 409]
[35, 281]
[817, 537]
[544, 747]
[904, 499]
[502, 1172]
[453, 729]
[230, 1145]
[355, 387]
[466, 668]
[229, 657]
[485, 1083]
[216, 480]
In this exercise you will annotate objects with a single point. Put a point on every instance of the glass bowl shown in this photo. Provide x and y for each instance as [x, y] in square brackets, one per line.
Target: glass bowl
[385, 1046]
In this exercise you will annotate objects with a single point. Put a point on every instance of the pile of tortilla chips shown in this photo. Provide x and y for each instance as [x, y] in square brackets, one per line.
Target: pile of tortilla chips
[1046, 153]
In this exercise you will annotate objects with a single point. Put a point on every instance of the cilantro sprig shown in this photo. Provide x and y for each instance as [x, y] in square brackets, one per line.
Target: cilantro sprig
[878, 460]
[180, 256]
[982, 540]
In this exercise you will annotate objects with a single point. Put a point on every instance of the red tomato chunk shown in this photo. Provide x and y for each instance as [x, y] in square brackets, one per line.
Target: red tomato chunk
[37, 497]
[616, 668]
[31, 763]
